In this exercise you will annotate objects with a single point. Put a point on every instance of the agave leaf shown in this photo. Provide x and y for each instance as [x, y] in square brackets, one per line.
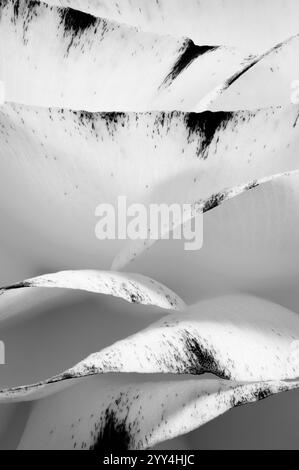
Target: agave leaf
[135, 248]
[250, 243]
[67, 163]
[75, 60]
[133, 288]
[137, 415]
[46, 330]
[238, 338]
[266, 81]
[241, 23]
[47, 323]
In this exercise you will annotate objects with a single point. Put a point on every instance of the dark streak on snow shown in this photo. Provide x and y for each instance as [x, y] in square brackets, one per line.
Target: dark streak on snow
[189, 52]
[113, 436]
[15, 5]
[239, 74]
[258, 59]
[75, 23]
[200, 359]
[86, 118]
[296, 120]
[217, 199]
[18, 285]
[26, 11]
[113, 120]
[16, 8]
[205, 125]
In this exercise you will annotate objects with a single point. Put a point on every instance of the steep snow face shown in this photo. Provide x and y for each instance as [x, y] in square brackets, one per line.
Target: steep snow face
[75, 60]
[63, 164]
[269, 80]
[135, 415]
[225, 22]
